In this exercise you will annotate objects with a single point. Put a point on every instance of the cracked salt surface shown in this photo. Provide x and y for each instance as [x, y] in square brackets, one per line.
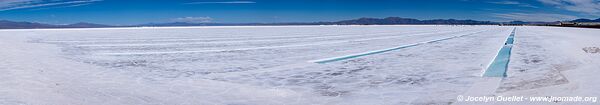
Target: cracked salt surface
[297, 84]
[63, 66]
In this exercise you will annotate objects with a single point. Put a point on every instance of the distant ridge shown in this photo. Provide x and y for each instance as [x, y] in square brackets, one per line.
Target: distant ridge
[5, 24]
[586, 20]
[360, 21]
[399, 20]
[86, 25]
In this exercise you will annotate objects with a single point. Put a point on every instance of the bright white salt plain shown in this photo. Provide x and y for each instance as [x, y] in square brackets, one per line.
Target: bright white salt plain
[271, 64]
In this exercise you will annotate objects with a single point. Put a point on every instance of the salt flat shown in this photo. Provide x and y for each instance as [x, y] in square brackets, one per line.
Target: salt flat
[271, 65]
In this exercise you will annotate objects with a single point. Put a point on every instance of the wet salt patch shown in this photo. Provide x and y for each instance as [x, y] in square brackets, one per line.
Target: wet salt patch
[591, 49]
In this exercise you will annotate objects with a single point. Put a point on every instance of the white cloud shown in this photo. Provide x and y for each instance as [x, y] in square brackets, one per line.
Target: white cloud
[9, 3]
[514, 3]
[590, 7]
[193, 19]
[24, 4]
[66, 6]
[224, 2]
[506, 2]
[534, 17]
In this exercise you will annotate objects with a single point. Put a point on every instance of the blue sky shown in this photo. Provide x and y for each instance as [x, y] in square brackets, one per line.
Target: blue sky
[124, 12]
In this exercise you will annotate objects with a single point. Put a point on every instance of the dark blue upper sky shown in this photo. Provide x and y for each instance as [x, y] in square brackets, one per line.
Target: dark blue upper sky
[122, 12]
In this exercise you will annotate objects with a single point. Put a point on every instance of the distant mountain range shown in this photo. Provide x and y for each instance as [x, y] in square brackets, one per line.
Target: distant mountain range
[4, 24]
[398, 20]
[360, 21]
[586, 20]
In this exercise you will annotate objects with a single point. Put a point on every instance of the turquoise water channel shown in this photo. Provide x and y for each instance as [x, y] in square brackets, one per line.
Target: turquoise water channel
[499, 66]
